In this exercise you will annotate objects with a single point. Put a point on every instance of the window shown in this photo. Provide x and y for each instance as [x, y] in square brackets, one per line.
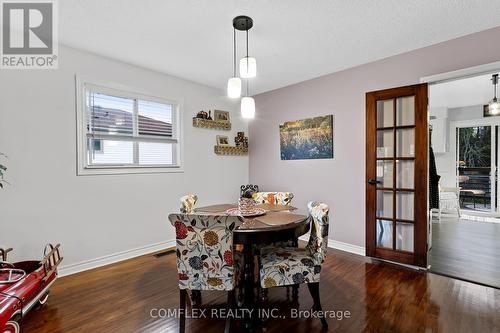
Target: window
[126, 132]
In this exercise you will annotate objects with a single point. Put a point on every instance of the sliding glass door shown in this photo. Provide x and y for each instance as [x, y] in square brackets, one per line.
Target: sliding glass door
[476, 167]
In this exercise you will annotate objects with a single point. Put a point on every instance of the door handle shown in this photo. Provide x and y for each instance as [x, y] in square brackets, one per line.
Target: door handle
[373, 181]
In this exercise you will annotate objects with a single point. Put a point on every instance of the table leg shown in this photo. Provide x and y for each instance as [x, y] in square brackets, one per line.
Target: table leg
[248, 284]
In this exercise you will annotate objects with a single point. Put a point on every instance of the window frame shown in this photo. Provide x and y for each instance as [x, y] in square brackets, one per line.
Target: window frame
[84, 168]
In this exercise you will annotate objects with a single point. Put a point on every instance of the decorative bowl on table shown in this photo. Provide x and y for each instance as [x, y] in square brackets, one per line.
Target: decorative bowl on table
[247, 213]
[246, 208]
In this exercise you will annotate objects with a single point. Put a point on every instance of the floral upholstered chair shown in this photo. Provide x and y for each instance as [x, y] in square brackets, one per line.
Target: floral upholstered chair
[188, 202]
[276, 198]
[292, 266]
[204, 255]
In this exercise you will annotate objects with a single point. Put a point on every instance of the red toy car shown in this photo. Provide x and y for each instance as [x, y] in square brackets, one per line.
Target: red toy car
[25, 284]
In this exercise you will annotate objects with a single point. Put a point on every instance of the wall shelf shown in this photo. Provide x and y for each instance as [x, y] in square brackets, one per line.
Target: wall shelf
[212, 124]
[230, 150]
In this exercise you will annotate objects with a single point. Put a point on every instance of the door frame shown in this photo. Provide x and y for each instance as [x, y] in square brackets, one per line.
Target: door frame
[421, 205]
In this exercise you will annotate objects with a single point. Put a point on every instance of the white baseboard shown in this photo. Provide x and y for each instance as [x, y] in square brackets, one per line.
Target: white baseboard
[129, 254]
[112, 258]
[359, 250]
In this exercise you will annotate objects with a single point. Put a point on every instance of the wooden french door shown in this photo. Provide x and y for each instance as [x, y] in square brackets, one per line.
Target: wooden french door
[396, 174]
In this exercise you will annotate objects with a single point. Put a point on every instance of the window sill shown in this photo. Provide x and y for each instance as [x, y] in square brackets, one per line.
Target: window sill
[89, 171]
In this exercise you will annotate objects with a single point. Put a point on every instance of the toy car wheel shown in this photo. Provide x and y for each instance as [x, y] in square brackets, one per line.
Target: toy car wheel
[11, 327]
[43, 299]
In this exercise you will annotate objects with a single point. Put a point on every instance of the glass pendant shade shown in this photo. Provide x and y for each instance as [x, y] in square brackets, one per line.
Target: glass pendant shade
[247, 107]
[494, 107]
[234, 87]
[248, 67]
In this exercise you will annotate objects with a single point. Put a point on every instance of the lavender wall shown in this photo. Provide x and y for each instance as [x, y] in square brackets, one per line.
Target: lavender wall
[340, 181]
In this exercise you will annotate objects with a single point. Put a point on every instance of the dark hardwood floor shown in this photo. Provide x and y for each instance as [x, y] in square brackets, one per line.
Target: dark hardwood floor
[468, 250]
[380, 298]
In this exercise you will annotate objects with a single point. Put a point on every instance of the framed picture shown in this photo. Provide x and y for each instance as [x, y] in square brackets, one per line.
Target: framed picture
[222, 140]
[221, 116]
[307, 139]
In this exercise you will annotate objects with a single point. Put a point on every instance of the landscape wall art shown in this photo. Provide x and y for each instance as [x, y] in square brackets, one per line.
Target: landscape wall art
[307, 139]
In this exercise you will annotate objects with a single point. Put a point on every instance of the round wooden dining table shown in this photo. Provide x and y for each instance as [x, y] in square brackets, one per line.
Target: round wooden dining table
[279, 223]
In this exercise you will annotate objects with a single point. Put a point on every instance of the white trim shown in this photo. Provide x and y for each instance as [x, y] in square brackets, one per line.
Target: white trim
[113, 258]
[462, 73]
[337, 245]
[130, 92]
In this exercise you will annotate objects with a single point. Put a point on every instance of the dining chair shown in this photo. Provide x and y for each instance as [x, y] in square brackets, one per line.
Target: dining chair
[204, 256]
[449, 199]
[187, 207]
[292, 266]
[188, 202]
[247, 191]
[276, 198]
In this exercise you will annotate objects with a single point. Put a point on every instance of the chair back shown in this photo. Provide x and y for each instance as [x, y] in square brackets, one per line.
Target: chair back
[247, 191]
[204, 250]
[318, 240]
[187, 203]
[274, 198]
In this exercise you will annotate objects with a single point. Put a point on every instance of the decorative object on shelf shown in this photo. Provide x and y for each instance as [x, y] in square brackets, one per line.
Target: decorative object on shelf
[230, 150]
[221, 116]
[241, 140]
[212, 124]
[493, 107]
[222, 140]
[202, 115]
[306, 139]
[248, 69]
[209, 115]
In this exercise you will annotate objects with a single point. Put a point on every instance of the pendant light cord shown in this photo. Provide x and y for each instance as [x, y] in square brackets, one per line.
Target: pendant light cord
[248, 83]
[495, 82]
[234, 52]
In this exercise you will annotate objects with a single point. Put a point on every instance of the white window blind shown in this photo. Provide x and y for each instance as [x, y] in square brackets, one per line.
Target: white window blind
[127, 130]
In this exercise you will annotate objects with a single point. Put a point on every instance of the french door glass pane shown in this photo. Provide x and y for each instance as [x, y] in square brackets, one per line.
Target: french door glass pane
[385, 204]
[404, 205]
[385, 113]
[405, 174]
[405, 141]
[384, 234]
[385, 173]
[404, 236]
[385, 143]
[405, 107]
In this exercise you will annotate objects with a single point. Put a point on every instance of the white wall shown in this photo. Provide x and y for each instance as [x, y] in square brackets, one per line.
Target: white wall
[341, 182]
[95, 216]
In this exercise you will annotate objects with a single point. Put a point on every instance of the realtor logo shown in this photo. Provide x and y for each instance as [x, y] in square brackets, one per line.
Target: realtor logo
[29, 35]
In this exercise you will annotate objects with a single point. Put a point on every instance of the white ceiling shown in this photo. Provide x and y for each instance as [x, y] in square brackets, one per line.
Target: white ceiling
[293, 40]
[477, 90]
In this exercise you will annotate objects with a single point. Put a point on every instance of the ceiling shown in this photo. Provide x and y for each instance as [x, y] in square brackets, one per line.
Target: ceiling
[477, 90]
[293, 40]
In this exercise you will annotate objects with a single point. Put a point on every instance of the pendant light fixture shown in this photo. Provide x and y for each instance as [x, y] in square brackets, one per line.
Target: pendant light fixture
[248, 69]
[494, 105]
[234, 83]
[248, 65]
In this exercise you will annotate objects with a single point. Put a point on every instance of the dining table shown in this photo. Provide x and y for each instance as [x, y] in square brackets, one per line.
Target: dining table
[278, 223]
